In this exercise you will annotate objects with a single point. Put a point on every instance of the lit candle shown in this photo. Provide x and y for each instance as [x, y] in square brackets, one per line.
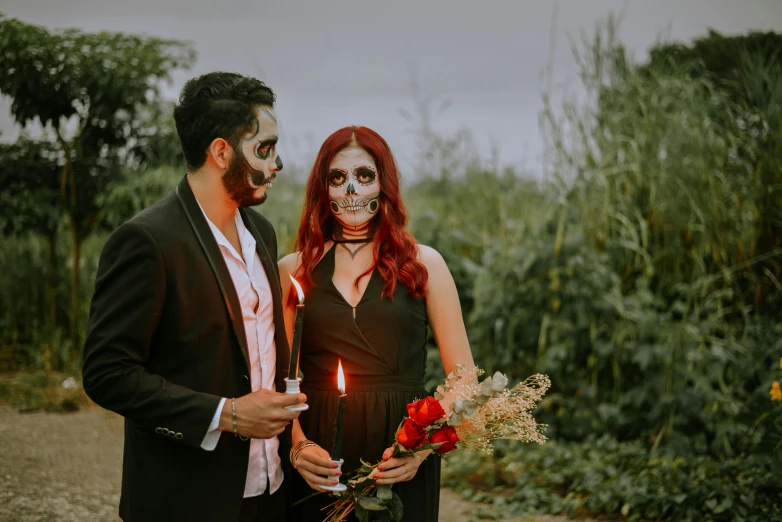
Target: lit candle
[292, 382]
[336, 451]
[293, 372]
[336, 448]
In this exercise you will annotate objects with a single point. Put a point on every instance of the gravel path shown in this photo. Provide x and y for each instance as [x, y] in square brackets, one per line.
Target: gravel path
[60, 467]
[66, 468]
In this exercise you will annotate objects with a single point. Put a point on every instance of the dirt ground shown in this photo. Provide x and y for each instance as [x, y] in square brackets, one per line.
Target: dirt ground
[66, 468]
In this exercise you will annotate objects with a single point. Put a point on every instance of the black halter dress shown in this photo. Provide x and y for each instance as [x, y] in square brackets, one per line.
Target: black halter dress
[382, 345]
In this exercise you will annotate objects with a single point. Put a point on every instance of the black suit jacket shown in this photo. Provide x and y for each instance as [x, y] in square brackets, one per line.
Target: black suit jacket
[165, 342]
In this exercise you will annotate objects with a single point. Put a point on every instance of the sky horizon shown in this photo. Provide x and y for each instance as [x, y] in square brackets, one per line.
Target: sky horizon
[347, 62]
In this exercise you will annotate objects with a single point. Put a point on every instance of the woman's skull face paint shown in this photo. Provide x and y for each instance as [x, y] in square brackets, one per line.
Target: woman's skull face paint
[354, 188]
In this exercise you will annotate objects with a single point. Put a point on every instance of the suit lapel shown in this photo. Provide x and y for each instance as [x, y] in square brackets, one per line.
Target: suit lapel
[270, 267]
[216, 262]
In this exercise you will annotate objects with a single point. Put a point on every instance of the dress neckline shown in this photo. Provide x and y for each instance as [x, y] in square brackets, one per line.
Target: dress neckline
[332, 260]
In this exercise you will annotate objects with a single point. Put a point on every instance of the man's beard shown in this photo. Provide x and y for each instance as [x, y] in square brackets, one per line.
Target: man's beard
[236, 181]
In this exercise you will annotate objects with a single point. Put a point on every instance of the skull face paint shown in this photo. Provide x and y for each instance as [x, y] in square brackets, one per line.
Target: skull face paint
[255, 162]
[354, 187]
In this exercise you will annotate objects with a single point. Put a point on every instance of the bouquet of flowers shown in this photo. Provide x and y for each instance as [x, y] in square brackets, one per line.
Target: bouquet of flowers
[463, 414]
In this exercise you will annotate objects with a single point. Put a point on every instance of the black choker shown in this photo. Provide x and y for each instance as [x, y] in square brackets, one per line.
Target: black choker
[351, 241]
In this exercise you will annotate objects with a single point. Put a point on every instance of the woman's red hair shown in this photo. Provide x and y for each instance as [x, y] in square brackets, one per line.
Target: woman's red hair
[396, 252]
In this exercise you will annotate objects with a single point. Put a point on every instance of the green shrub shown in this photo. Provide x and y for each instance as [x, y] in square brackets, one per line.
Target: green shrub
[603, 476]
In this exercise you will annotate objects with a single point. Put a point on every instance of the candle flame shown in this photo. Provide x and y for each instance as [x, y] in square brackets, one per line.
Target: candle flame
[298, 289]
[341, 378]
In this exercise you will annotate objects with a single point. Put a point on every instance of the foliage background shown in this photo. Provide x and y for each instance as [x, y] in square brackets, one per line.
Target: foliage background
[643, 274]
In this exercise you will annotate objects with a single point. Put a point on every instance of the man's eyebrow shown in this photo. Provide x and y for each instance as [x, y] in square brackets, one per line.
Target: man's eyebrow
[270, 139]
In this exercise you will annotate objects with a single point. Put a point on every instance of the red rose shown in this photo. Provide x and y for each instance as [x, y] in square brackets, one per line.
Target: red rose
[447, 436]
[425, 411]
[410, 435]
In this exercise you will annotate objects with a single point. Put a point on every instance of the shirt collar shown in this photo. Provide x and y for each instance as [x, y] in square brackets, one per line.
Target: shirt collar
[223, 241]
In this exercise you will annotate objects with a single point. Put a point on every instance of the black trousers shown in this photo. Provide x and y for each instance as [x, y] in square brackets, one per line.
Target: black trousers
[265, 507]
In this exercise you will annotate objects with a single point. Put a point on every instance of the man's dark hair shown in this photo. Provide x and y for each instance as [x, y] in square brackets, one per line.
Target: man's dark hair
[217, 105]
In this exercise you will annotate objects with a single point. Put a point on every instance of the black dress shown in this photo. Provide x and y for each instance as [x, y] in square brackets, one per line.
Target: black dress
[383, 356]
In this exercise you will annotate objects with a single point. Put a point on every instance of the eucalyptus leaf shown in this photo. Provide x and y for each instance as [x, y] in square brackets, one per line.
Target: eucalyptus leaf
[384, 492]
[361, 512]
[370, 503]
[397, 508]
[499, 382]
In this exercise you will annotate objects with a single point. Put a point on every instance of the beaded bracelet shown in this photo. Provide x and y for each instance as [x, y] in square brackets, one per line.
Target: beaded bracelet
[233, 416]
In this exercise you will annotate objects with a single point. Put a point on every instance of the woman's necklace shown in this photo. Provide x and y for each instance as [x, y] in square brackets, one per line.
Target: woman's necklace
[352, 241]
[344, 242]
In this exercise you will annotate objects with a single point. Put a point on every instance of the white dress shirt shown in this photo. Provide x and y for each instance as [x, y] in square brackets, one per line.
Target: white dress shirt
[255, 298]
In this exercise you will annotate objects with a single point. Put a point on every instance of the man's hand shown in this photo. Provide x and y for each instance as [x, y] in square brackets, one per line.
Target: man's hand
[261, 414]
[314, 465]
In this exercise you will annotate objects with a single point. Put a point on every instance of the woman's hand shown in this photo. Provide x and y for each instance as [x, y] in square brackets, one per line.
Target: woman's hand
[399, 469]
[314, 465]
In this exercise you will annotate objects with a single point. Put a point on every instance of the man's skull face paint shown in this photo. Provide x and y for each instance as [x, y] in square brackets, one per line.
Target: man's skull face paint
[354, 187]
[255, 162]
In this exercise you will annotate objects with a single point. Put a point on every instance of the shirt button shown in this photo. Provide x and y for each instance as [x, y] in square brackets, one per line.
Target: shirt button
[245, 379]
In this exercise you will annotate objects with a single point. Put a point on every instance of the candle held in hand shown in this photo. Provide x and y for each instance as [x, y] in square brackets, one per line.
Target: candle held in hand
[336, 451]
[336, 448]
[293, 370]
[292, 382]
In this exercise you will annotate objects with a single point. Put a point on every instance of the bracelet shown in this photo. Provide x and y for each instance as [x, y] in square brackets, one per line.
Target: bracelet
[233, 416]
[296, 449]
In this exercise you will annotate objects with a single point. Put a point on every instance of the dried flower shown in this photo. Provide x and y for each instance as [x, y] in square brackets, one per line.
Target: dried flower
[500, 413]
[506, 416]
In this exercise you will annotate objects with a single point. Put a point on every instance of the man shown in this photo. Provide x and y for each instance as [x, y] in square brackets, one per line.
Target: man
[186, 337]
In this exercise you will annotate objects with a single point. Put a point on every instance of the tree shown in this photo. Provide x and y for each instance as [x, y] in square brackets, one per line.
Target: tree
[88, 91]
[29, 199]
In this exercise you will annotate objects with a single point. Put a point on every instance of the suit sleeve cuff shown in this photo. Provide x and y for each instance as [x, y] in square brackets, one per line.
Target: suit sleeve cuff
[213, 434]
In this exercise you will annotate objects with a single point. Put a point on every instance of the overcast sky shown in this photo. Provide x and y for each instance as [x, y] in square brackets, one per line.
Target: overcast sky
[343, 62]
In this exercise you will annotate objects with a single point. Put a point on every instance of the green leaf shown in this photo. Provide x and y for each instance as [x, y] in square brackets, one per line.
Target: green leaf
[362, 483]
[361, 513]
[397, 507]
[384, 492]
[370, 503]
[726, 504]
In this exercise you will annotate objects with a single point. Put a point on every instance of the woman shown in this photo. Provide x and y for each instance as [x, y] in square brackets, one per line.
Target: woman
[370, 292]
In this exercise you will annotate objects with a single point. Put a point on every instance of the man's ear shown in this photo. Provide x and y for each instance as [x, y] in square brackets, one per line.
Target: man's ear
[219, 153]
